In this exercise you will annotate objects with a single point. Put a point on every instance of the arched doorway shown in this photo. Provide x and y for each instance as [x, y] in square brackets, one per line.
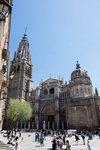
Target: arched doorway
[47, 117]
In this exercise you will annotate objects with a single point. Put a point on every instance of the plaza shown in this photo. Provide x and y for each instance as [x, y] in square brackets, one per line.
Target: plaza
[28, 142]
[62, 100]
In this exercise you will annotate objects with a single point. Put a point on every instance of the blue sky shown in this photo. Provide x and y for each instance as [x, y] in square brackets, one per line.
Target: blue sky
[60, 32]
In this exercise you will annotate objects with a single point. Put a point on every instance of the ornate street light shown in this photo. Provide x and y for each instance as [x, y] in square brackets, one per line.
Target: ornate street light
[5, 9]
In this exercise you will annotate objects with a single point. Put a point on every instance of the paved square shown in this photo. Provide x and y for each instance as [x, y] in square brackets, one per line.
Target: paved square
[28, 142]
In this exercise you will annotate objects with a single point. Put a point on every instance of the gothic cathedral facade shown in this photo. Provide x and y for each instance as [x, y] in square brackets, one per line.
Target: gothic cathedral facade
[56, 104]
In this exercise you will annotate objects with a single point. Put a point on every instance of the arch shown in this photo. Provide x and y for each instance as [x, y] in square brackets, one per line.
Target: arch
[47, 115]
[81, 90]
[47, 110]
[51, 91]
[45, 92]
[77, 91]
[68, 93]
[18, 68]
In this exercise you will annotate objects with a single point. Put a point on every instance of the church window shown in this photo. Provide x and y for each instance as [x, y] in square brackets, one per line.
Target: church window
[76, 91]
[51, 91]
[45, 91]
[18, 68]
[81, 90]
[65, 94]
[68, 93]
[85, 90]
[89, 90]
[62, 95]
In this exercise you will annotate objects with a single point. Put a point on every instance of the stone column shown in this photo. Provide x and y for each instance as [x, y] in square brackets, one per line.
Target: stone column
[57, 119]
[57, 113]
[44, 125]
[32, 125]
[48, 125]
[29, 125]
[24, 126]
[37, 125]
[53, 125]
[62, 125]
[21, 125]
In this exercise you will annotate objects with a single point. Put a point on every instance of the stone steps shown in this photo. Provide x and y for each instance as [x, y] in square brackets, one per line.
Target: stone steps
[5, 146]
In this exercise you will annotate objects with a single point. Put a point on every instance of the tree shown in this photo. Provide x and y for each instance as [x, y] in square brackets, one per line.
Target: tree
[18, 110]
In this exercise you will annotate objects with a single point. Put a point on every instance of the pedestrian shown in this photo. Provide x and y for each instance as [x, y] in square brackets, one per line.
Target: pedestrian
[22, 139]
[99, 134]
[83, 138]
[19, 133]
[60, 143]
[77, 138]
[54, 144]
[88, 145]
[68, 146]
[64, 137]
[16, 146]
[41, 138]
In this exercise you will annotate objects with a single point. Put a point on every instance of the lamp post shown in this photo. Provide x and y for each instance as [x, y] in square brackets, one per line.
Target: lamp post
[5, 9]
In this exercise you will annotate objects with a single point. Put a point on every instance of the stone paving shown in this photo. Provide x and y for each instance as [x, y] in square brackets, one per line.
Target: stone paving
[28, 143]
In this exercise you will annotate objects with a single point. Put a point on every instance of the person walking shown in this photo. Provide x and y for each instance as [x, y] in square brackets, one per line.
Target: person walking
[88, 145]
[68, 146]
[83, 138]
[16, 146]
[77, 138]
[54, 144]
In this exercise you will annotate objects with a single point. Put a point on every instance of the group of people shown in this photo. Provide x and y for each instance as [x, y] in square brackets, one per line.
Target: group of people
[40, 137]
[61, 142]
[13, 140]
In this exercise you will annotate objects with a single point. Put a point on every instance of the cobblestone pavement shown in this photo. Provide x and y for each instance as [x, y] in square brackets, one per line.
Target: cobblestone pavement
[28, 143]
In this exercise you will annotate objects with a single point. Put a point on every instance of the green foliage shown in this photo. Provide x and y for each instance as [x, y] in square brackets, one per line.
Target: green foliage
[19, 110]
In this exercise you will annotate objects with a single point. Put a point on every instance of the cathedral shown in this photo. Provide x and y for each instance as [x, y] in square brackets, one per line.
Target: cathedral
[56, 105]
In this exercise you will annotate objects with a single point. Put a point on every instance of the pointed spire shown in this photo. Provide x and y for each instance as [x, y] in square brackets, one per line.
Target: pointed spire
[23, 49]
[24, 37]
[25, 30]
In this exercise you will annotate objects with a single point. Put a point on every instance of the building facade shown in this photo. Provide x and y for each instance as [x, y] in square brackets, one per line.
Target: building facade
[5, 24]
[60, 105]
[56, 105]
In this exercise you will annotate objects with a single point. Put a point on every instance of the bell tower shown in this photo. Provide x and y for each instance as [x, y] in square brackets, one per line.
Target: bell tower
[20, 78]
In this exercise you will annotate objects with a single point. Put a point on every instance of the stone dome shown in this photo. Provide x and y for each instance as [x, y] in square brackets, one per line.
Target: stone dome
[80, 83]
[78, 72]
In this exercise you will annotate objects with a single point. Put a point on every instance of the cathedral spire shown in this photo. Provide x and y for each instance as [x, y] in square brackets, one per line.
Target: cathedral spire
[23, 49]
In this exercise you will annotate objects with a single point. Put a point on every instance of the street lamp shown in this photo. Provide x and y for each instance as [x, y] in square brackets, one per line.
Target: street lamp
[5, 9]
